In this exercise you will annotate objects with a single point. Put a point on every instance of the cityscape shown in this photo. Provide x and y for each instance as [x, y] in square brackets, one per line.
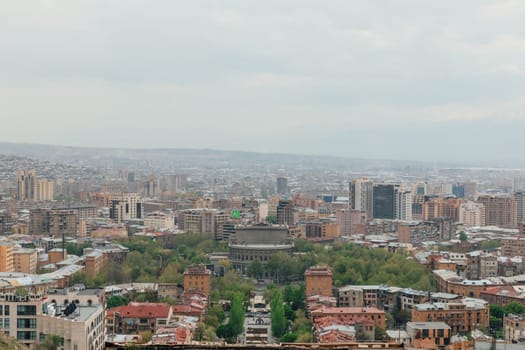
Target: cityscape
[285, 250]
[261, 175]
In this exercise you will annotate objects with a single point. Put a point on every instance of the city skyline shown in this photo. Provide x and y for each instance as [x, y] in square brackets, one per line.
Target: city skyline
[354, 79]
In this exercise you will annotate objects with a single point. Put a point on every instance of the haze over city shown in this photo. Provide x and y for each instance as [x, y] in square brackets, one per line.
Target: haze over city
[419, 80]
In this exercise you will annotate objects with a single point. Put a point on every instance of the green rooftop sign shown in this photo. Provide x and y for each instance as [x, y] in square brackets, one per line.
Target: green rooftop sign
[236, 214]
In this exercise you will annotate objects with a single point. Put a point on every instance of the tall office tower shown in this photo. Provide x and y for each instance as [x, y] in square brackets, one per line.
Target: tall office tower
[282, 186]
[26, 185]
[44, 190]
[519, 197]
[150, 187]
[384, 201]
[417, 206]
[420, 189]
[458, 190]
[125, 206]
[285, 213]
[499, 210]
[361, 195]
[403, 204]
[131, 177]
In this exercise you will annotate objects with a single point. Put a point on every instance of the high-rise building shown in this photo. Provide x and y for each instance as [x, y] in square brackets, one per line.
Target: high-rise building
[384, 201]
[420, 189]
[499, 210]
[44, 190]
[126, 206]
[204, 220]
[361, 195]
[403, 204]
[437, 207]
[458, 190]
[519, 197]
[26, 185]
[282, 186]
[150, 187]
[285, 213]
[55, 222]
[472, 214]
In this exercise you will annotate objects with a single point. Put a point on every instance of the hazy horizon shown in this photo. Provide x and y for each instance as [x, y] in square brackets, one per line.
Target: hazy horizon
[407, 80]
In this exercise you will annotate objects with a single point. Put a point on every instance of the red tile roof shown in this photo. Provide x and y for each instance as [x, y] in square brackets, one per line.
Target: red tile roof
[141, 310]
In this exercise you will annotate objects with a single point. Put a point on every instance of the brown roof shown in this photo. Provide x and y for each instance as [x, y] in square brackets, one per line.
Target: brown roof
[141, 310]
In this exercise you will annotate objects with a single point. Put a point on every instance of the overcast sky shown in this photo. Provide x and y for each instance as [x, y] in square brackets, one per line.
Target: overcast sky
[403, 79]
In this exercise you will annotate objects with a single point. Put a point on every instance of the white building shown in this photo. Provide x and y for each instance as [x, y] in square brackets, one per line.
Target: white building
[361, 195]
[126, 206]
[472, 214]
[403, 204]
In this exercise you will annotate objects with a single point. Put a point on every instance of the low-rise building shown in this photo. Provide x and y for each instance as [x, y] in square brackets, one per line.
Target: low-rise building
[514, 326]
[351, 314]
[503, 295]
[25, 260]
[429, 335]
[463, 316]
[197, 279]
[137, 317]
[318, 280]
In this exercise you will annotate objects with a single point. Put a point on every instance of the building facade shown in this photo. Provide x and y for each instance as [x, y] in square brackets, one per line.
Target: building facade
[318, 281]
[125, 206]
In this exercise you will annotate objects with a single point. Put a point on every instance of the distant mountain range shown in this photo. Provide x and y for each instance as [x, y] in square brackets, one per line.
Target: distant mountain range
[182, 157]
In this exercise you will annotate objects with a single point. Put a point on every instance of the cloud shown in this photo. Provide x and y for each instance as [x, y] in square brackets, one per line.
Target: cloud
[270, 75]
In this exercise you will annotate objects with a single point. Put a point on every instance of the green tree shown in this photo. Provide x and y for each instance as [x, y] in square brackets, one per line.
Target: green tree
[237, 314]
[51, 342]
[514, 308]
[280, 266]
[294, 296]
[278, 319]
[225, 331]
[497, 311]
[379, 333]
[463, 236]
[255, 269]
[289, 338]
[116, 300]
[271, 219]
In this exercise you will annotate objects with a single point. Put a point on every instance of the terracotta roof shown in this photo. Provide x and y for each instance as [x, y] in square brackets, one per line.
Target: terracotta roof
[141, 310]
[348, 310]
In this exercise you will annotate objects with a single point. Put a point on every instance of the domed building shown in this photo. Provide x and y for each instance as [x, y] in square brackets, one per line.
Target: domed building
[257, 242]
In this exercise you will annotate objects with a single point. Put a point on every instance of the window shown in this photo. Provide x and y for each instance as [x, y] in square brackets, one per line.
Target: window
[26, 310]
[25, 335]
[6, 323]
[26, 323]
[6, 310]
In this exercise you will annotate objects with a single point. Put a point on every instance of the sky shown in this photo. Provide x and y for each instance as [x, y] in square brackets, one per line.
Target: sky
[404, 79]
